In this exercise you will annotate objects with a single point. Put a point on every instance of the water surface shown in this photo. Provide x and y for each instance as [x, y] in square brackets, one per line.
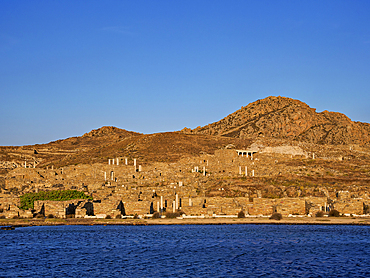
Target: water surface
[186, 251]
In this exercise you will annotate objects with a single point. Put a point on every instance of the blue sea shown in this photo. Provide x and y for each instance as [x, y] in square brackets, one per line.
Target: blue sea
[186, 251]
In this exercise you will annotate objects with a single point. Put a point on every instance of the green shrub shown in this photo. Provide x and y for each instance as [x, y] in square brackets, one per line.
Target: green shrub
[50, 216]
[2, 217]
[276, 216]
[241, 214]
[334, 213]
[27, 200]
[319, 214]
[108, 217]
[136, 216]
[156, 215]
[118, 216]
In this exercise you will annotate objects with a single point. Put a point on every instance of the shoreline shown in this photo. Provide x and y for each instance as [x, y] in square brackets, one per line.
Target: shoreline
[16, 223]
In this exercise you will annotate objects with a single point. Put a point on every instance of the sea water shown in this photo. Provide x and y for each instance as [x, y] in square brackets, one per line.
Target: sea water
[186, 251]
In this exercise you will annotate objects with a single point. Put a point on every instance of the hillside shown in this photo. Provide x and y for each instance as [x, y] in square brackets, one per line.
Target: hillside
[101, 144]
[297, 153]
[286, 118]
[273, 118]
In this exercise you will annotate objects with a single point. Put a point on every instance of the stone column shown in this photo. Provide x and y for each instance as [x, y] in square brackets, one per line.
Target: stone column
[180, 183]
[111, 175]
[126, 160]
[52, 167]
[117, 161]
[204, 171]
[139, 168]
[177, 201]
[190, 203]
[105, 176]
[246, 171]
[161, 203]
[34, 164]
[313, 156]
[158, 206]
[108, 161]
[240, 170]
[112, 161]
[251, 156]
[173, 206]
[135, 162]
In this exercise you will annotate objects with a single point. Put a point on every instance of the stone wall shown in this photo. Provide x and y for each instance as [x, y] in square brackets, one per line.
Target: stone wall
[350, 206]
[293, 206]
[262, 206]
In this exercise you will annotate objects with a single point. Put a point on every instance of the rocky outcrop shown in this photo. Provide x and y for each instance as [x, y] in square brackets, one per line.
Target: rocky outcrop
[286, 118]
[109, 131]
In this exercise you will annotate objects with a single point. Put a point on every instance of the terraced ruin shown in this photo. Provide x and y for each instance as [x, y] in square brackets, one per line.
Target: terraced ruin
[274, 155]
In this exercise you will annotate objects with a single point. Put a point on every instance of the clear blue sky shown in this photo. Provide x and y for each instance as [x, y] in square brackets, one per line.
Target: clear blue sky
[67, 67]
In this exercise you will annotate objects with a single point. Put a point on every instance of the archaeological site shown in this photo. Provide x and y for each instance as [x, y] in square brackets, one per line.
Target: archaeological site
[273, 155]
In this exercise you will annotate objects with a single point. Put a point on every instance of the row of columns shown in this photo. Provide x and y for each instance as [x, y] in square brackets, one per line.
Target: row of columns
[247, 154]
[196, 170]
[111, 175]
[246, 171]
[114, 161]
[175, 204]
[325, 208]
[32, 164]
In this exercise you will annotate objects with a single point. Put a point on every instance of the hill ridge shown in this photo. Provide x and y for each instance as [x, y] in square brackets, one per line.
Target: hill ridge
[287, 118]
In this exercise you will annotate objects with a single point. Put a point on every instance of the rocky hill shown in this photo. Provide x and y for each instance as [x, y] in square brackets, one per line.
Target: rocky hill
[286, 118]
[277, 121]
[101, 144]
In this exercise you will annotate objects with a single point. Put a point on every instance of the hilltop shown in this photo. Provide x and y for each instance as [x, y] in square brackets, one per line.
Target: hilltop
[271, 120]
[286, 118]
